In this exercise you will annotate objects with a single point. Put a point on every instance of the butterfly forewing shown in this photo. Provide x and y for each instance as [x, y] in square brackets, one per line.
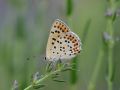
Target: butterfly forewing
[62, 43]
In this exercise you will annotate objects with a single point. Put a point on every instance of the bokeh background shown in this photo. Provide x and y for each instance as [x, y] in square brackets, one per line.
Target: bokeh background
[24, 30]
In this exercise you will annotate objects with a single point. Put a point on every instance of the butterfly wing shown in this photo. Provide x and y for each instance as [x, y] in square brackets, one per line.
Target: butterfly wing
[71, 44]
[62, 43]
[58, 29]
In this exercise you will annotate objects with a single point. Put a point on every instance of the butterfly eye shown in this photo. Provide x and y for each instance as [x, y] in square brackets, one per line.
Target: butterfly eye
[45, 58]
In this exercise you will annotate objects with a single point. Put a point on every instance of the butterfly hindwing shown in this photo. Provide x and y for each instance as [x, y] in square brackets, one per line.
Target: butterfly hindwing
[71, 46]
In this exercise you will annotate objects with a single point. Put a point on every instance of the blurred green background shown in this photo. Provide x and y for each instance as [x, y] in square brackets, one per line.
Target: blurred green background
[24, 30]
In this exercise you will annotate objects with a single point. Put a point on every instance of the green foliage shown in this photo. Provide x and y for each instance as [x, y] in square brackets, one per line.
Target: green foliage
[74, 76]
[69, 7]
[20, 28]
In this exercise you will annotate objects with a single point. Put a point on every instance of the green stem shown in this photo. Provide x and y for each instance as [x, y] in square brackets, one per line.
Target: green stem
[42, 79]
[98, 65]
[110, 31]
[110, 68]
[110, 53]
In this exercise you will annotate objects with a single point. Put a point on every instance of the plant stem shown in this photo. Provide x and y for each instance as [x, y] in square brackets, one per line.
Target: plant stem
[110, 31]
[43, 78]
[110, 68]
[96, 70]
[110, 55]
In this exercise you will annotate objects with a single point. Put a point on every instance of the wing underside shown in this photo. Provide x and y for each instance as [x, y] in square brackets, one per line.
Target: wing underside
[62, 43]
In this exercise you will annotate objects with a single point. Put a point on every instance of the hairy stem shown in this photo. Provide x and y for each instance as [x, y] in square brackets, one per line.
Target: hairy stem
[43, 78]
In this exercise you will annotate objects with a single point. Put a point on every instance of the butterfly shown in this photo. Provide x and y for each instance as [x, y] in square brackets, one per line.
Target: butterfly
[62, 42]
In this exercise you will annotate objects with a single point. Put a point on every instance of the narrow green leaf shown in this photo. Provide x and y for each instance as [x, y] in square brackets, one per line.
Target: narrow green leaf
[114, 17]
[58, 80]
[74, 72]
[69, 7]
[86, 28]
[38, 86]
[55, 75]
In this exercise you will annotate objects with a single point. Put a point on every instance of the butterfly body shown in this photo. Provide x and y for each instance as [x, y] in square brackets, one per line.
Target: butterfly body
[62, 42]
